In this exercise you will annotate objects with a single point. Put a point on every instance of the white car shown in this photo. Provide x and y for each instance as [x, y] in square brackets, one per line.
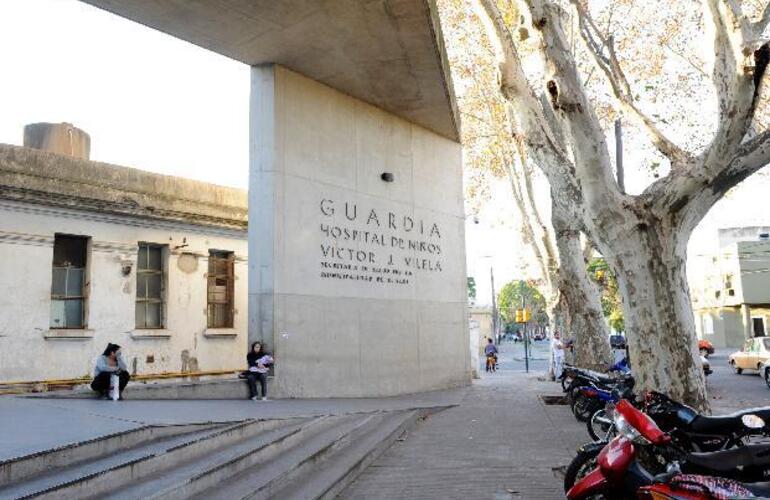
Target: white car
[764, 372]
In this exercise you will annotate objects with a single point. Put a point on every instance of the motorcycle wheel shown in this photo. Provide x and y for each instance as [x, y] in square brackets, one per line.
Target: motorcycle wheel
[600, 426]
[583, 463]
[582, 407]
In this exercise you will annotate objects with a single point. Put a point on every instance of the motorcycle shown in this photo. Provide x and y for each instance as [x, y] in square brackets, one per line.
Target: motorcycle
[491, 362]
[631, 461]
[691, 430]
[589, 400]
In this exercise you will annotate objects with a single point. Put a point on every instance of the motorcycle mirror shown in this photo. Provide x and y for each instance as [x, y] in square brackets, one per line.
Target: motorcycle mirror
[752, 421]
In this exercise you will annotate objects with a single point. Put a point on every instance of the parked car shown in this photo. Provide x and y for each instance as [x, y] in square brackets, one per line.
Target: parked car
[764, 371]
[617, 341]
[752, 355]
[705, 347]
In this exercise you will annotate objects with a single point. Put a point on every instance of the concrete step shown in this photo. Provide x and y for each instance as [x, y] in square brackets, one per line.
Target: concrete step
[304, 458]
[43, 463]
[321, 466]
[335, 470]
[230, 387]
[218, 466]
[102, 475]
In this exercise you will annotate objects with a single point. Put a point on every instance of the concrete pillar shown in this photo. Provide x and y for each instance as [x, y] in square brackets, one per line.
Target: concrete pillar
[261, 204]
[746, 316]
[354, 275]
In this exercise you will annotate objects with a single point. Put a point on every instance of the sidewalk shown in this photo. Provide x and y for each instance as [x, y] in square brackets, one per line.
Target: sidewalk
[500, 443]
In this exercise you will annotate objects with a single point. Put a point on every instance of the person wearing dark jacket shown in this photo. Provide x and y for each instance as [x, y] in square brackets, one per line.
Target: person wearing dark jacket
[259, 361]
[108, 364]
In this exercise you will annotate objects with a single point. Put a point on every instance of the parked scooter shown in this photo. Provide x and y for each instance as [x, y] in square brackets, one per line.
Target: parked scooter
[643, 455]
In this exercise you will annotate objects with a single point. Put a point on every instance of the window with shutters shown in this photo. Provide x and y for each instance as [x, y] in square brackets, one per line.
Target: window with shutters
[220, 289]
[68, 284]
[150, 287]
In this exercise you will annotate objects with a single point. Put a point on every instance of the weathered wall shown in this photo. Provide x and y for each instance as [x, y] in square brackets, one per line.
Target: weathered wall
[29, 350]
[349, 307]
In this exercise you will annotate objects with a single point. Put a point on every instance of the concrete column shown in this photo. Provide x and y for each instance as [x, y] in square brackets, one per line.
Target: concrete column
[746, 316]
[262, 205]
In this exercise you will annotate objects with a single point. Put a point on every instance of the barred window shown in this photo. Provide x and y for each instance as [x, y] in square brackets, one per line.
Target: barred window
[150, 285]
[220, 289]
[68, 297]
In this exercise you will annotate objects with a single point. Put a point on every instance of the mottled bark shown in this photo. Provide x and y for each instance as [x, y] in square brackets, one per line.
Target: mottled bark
[581, 299]
[650, 268]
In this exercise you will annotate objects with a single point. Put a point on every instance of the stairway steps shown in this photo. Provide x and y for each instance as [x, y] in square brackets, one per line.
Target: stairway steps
[339, 468]
[131, 466]
[41, 463]
[184, 479]
[266, 480]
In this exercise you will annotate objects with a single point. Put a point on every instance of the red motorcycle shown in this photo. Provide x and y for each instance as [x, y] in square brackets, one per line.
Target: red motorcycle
[620, 474]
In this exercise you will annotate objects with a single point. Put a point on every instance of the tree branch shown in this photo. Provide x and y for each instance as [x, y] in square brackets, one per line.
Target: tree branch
[759, 26]
[610, 66]
[735, 74]
[526, 116]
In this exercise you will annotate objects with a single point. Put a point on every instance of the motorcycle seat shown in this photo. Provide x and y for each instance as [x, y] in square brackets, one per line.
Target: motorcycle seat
[724, 424]
[729, 460]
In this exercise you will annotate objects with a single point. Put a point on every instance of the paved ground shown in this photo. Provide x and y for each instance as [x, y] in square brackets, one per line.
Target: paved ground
[500, 443]
[29, 425]
[730, 392]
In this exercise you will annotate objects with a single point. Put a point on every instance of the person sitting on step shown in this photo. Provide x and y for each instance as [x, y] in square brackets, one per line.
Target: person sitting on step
[108, 364]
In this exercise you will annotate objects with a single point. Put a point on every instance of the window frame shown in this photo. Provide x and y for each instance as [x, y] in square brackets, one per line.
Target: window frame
[211, 278]
[83, 296]
[161, 300]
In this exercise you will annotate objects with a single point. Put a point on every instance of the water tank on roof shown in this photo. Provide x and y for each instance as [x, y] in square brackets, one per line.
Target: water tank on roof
[60, 138]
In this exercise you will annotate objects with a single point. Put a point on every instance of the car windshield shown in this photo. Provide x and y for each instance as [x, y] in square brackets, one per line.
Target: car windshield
[767, 344]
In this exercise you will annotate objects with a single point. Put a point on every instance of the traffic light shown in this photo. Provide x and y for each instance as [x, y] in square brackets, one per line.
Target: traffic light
[526, 315]
[519, 316]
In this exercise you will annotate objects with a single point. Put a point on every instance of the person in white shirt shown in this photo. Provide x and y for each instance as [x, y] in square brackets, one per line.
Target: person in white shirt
[557, 355]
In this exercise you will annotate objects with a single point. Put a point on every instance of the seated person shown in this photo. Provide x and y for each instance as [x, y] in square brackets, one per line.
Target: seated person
[108, 364]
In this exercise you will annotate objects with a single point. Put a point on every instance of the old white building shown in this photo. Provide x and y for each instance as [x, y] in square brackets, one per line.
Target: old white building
[731, 294]
[92, 253]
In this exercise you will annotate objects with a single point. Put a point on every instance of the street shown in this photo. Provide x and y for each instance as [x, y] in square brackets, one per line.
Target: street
[730, 392]
[727, 391]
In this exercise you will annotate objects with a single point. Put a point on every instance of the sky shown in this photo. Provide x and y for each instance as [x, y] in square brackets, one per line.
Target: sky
[154, 102]
[148, 100]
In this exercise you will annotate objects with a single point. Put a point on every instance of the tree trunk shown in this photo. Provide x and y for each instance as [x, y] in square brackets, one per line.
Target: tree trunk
[650, 265]
[586, 321]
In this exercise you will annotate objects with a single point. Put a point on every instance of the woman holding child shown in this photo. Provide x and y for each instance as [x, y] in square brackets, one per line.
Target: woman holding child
[259, 361]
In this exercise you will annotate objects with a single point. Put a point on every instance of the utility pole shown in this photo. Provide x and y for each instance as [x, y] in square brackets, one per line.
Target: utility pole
[619, 156]
[494, 304]
[526, 334]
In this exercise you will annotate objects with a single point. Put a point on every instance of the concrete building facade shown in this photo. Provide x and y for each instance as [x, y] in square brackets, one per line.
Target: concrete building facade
[357, 264]
[92, 253]
[354, 278]
[731, 300]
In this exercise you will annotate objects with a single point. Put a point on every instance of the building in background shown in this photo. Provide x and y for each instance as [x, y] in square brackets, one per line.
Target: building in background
[731, 295]
[92, 253]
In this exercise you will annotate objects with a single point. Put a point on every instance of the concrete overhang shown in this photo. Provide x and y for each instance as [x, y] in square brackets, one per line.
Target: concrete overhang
[389, 53]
